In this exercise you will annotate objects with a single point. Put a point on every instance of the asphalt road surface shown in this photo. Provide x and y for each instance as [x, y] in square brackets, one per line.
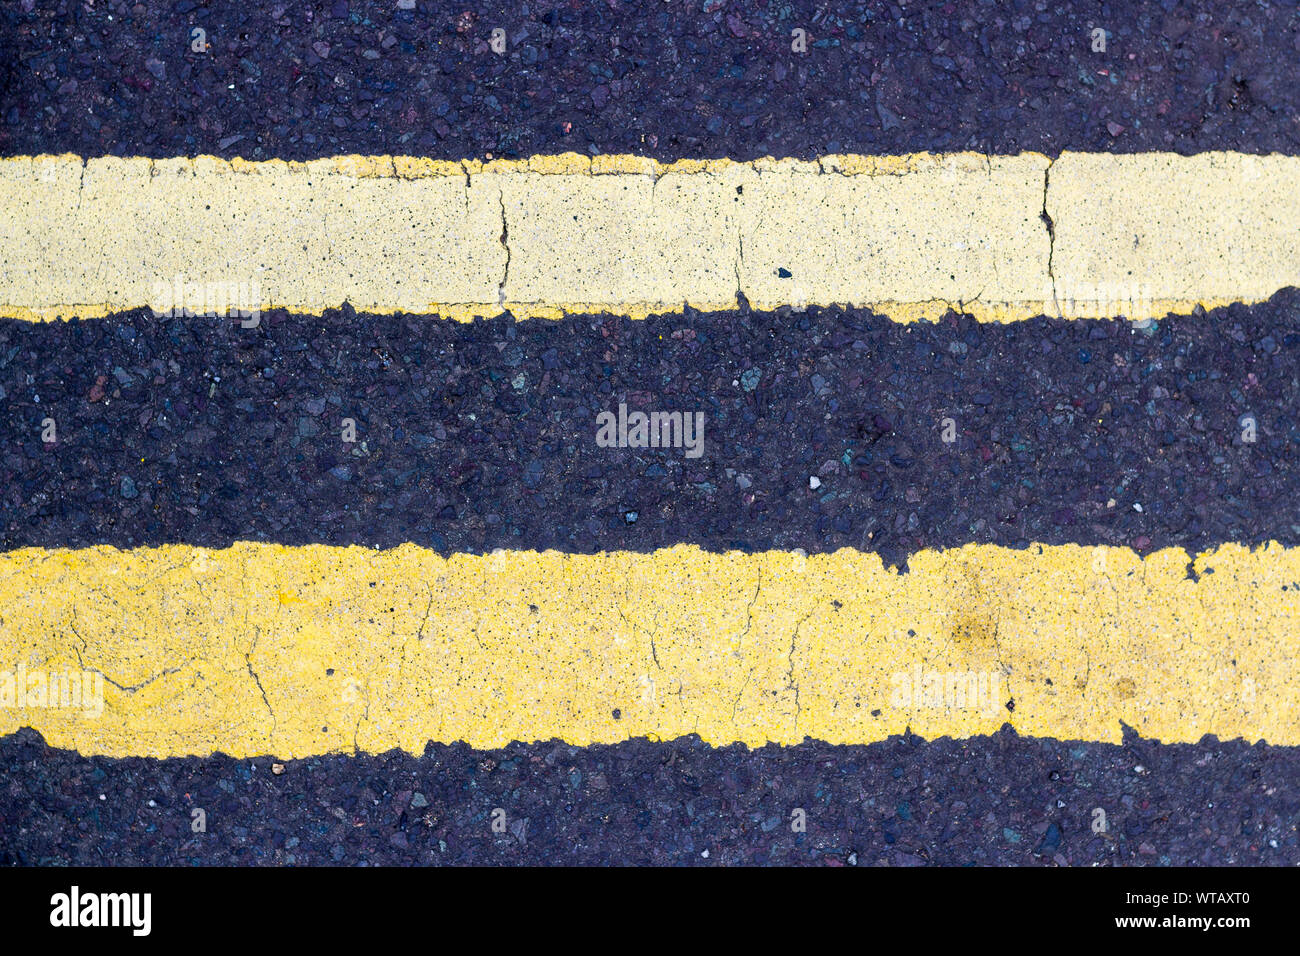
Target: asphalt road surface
[823, 433]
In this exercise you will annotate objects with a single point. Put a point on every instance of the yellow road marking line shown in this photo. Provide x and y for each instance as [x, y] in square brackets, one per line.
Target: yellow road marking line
[1139, 235]
[295, 651]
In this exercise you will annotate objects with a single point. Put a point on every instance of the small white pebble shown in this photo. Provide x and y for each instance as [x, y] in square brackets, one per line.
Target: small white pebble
[1110, 503]
[102, 797]
[705, 854]
[1137, 507]
[814, 482]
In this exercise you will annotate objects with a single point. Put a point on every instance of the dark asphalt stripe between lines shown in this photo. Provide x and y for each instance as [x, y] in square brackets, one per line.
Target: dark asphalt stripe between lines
[472, 437]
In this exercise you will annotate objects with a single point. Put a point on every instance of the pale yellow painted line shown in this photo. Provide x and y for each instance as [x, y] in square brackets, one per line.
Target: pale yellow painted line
[304, 650]
[1213, 228]
[1139, 235]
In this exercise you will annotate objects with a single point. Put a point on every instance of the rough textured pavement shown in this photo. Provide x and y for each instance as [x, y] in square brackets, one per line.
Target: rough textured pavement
[476, 437]
[199, 431]
[712, 78]
[997, 800]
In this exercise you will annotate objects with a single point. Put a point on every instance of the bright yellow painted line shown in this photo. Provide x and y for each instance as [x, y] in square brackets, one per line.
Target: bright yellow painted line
[1138, 235]
[295, 651]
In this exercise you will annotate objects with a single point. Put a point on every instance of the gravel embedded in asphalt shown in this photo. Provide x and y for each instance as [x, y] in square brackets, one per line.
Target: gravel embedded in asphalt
[704, 79]
[822, 430]
[998, 800]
